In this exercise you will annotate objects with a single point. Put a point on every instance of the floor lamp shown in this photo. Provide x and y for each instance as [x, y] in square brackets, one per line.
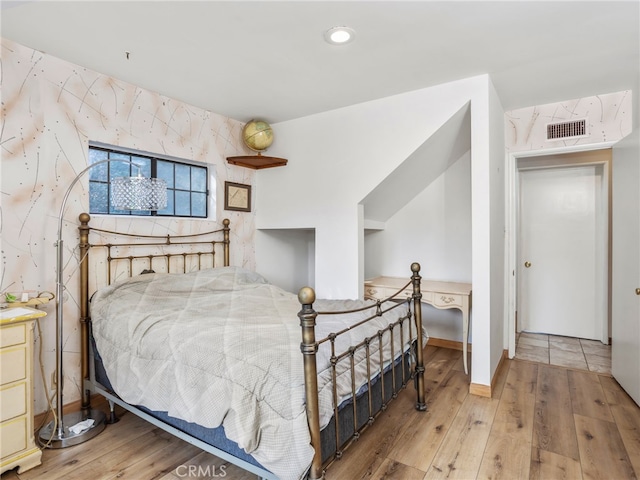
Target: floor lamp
[127, 193]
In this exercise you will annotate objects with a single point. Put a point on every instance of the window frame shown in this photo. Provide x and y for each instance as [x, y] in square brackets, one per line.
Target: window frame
[154, 159]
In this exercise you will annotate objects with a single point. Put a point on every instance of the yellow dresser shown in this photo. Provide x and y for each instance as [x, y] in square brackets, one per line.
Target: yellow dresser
[17, 443]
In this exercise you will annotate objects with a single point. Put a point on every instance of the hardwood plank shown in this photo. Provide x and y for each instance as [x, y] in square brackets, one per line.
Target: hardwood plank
[205, 465]
[155, 465]
[364, 456]
[459, 435]
[108, 466]
[548, 465]
[438, 365]
[587, 396]
[500, 378]
[602, 453]
[508, 451]
[418, 444]
[58, 463]
[554, 429]
[437, 368]
[392, 470]
[627, 416]
[461, 451]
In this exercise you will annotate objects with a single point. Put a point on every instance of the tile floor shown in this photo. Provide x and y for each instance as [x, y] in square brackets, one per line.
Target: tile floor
[568, 352]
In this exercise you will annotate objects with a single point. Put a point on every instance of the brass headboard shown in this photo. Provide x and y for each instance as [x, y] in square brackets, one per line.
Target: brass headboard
[168, 253]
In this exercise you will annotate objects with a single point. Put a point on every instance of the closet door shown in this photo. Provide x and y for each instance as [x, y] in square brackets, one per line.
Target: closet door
[562, 276]
[625, 328]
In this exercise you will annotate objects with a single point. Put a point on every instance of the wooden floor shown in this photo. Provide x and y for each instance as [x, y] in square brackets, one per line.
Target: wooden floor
[543, 422]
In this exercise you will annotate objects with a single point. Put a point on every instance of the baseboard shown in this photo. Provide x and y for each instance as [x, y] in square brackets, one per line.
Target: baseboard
[480, 390]
[486, 390]
[451, 344]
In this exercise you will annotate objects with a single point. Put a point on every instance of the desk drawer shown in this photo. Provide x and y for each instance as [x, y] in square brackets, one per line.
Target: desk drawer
[374, 292]
[446, 300]
[406, 293]
[427, 297]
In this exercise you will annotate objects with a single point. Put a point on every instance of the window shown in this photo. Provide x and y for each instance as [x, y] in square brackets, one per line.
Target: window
[187, 182]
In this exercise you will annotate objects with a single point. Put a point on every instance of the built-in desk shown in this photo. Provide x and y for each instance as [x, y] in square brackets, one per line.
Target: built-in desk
[443, 295]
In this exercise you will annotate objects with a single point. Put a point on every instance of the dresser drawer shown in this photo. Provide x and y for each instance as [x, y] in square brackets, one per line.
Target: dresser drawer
[13, 436]
[13, 335]
[14, 401]
[13, 365]
[446, 300]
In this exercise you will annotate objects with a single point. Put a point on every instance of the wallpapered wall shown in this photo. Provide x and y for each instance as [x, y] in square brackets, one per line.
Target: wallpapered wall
[51, 109]
[609, 119]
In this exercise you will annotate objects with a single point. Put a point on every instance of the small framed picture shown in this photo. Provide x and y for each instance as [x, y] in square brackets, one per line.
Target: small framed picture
[237, 196]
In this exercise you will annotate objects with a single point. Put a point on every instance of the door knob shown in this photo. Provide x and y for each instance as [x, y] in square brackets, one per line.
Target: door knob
[527, 264]
[637, 291]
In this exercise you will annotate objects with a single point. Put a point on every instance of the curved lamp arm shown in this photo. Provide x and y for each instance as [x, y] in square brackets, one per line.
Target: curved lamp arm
[59, 433]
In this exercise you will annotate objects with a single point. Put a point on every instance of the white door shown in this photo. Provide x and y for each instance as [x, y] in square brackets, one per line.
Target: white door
[625, 308]
[562, 268]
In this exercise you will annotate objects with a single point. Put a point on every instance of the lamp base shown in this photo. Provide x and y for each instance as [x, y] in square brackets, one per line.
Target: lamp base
[51, 438]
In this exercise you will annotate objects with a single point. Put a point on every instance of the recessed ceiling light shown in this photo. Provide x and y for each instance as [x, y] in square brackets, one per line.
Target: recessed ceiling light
[339, 35]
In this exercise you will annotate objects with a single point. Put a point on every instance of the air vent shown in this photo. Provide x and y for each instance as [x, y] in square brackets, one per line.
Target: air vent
[565, 130]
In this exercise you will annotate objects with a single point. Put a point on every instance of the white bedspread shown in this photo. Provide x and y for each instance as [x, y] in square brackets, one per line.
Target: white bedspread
[221, 347]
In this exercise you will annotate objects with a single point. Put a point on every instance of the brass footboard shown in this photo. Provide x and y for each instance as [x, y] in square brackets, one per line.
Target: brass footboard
[310, 345]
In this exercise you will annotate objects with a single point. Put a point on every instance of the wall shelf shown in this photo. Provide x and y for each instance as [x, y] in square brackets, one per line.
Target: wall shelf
[257, 162]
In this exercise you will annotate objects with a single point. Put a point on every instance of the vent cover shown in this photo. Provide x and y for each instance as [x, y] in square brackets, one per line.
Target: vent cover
[564, 130]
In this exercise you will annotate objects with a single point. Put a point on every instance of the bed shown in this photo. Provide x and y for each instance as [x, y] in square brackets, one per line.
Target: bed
[276, 383]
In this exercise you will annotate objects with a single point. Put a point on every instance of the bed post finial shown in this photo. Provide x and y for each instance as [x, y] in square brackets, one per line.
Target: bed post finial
[226, 229]
[309, 347]
[417, 312]
[83, 230]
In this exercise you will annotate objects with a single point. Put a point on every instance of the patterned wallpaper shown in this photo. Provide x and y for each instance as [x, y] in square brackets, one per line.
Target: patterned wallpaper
[608, 120]
[51, 109]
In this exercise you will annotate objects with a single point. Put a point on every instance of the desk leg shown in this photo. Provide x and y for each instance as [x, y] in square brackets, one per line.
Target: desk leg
[465, 331]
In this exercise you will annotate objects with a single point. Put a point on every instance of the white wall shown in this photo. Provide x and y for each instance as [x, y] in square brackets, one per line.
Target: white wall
[497, 234]
[440, 221]
[287, 257]
[487, 204]
[336, 158]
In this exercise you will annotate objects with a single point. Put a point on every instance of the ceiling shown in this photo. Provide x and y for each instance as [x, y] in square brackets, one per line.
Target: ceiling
[268, 59]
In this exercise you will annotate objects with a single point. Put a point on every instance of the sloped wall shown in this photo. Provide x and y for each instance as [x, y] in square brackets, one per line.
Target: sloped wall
[338, 157]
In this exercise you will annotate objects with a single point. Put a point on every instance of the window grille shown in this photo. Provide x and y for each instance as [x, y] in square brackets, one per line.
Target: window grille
[187, 182]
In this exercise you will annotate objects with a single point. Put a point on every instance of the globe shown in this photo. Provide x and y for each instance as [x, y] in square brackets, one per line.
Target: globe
[257, 135]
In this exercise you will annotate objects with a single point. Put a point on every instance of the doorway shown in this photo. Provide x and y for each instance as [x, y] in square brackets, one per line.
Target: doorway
[560, 253]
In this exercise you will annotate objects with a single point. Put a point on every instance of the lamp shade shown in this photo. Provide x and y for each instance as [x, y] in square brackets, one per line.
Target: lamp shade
[138, 193]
